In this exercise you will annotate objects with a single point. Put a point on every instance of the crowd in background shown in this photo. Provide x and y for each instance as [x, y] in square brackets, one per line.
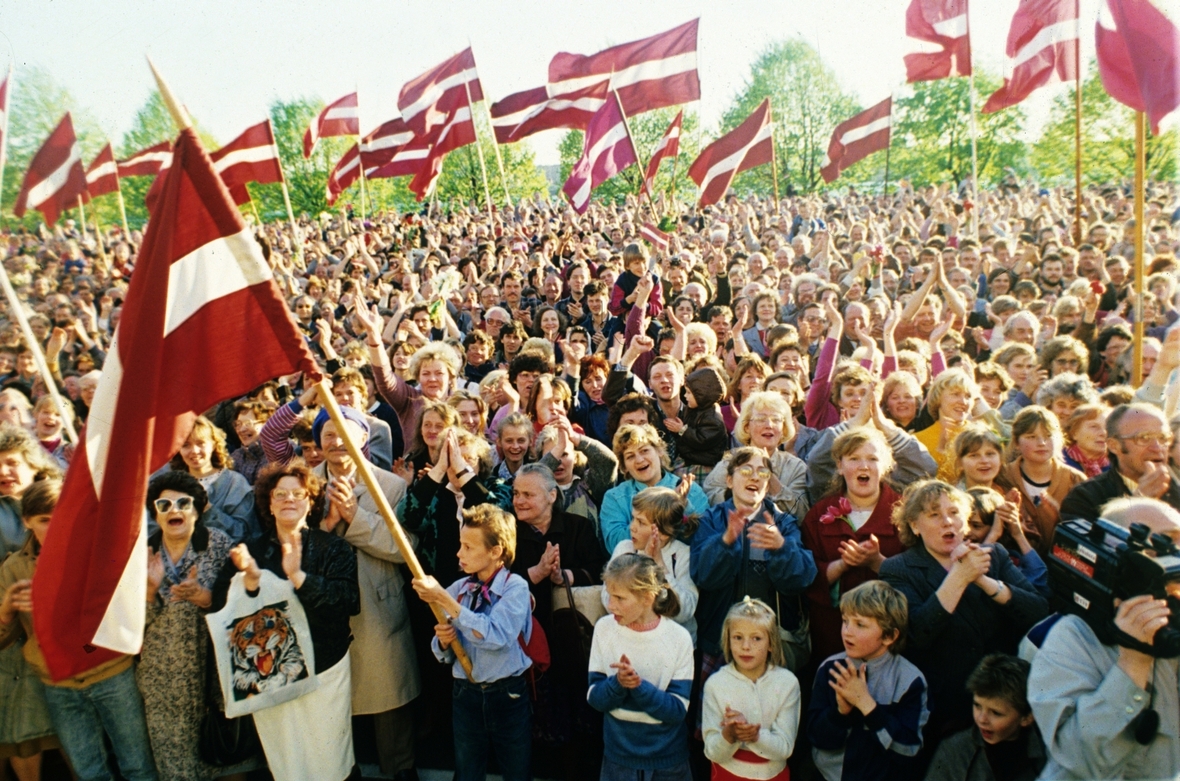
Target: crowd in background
[778, 497]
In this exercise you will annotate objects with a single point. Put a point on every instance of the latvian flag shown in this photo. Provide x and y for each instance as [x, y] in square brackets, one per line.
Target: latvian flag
[102, 176]
[746, 146]
[341, 118]
[203, 321]
[669, 146]
[55, 179]
[855, 139]
[147, 162]
[654, 236]
[251, 157]
[606, 151]
[1042, 47]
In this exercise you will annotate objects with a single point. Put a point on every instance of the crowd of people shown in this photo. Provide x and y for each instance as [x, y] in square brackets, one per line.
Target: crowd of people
[777, 499]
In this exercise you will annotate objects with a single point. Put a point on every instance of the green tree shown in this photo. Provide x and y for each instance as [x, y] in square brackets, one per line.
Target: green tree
[806, 102]
[932, 134]
[1108, 140]
[648, 128]
[462, 180]
[37, 103]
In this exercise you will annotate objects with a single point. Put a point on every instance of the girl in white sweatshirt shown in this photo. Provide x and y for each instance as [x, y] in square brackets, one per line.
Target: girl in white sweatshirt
[751, 705]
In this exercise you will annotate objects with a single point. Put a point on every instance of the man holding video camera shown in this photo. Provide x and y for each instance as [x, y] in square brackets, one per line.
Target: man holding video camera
[1110, 711]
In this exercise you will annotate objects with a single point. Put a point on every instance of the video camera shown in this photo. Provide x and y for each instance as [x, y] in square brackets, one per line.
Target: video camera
[1092, 564]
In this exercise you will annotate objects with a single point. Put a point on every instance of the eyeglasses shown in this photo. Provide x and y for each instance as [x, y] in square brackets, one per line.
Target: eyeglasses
[762, 420]
[182, 505]
[282, 494]
[1149, 438]
[762, 473]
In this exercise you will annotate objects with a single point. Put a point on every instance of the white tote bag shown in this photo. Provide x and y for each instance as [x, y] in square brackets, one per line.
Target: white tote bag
[263, 646]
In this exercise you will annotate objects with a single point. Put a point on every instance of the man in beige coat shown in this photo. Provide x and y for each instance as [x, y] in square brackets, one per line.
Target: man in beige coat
[384, 667]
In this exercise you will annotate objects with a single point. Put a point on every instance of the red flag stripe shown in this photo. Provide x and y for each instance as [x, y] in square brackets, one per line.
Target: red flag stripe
[654, 236]
[1138, 49]
[148, 162]
[856, 138]
[251, 157]
[526, 113]
[938, 31]
[428, 101]
[1042, 45]
[746, 146]
[669, 146]
[102, 176]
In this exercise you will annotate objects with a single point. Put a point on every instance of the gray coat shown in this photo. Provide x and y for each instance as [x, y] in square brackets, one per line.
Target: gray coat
[1084, 704]
[961, 757]
[384, 665]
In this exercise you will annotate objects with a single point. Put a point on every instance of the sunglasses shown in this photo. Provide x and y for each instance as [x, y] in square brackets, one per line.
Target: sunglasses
[182, 505]
[762, 473]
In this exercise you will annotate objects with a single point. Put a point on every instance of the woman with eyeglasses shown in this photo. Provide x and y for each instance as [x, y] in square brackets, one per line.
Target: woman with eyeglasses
[849, 531]
[231, 503]
[309, 737]
[184, 559]
[746, 547]
[765, 423]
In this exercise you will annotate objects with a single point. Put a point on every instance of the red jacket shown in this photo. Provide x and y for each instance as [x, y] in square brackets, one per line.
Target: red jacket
[823, 540]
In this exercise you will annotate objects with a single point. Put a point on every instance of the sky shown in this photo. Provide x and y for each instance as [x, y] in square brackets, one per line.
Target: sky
[227, 61]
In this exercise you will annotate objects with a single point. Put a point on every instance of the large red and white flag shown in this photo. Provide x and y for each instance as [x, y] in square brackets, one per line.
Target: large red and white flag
[1138, 50]
[55, 179]
[523, 113]
[1042, 47]
[669, 146]
[943, 45]
[746, 146]
[855, 139]
[147, 162]
[428, 103]
[340, 118]
[4, 89]
[651, 73]
[102, 176]
[251, 157]
[458, 131]
[203, 321]
[607, 149]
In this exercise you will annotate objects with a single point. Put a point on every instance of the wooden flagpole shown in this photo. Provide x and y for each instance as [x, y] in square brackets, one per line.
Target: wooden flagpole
[254, 208]
[122, 208]
[1140, 241]
[773, 154]
[82, 217]
[495, 143]
[295, 237]
[1077, 206]
[180, 116]
[483, 169]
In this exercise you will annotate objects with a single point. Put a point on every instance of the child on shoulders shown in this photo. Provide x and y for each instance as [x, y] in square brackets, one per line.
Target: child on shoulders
[868, 705]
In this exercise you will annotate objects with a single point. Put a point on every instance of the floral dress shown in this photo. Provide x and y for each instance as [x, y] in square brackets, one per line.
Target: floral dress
[171, 670]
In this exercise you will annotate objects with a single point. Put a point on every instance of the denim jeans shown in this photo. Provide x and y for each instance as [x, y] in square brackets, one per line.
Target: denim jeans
[496, 716]
[612, 771]
[80, 717]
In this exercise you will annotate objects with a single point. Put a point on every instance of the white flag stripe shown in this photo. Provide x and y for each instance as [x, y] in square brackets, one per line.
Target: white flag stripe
[722, 167]
[435, 91]
[642, 71]
[1046, 37]
[121, 628]
[609, 139]
[857, 133]
[955, 27]
[341, 112]
[410, 154]
[388, 142]
[254, 154]
[219, 268]
[672, 136]
[106, 169]
[351, 164]
[45, 189]
[163, 158]
[555, 104]
[101, 417]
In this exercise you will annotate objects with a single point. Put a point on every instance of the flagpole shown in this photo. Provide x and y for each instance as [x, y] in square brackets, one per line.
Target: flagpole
[1140, 241]
[638, 160]
[672, 189]
[773, 153]
[499, 159]
[254, 208]
[295, 239]
[122, 207]
[38, 355]
[483, 168]
[82, 217]
[974, 160]
[365, 472]
[1077, 215]
[361, 164]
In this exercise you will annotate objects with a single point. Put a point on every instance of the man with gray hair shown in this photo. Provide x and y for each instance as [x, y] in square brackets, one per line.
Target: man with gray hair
[1138, 440]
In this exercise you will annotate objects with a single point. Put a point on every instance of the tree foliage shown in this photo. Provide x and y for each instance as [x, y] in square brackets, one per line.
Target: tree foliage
[462, 180]
[806, 102]
[932, 134]
[648, 128]
[1108, 140]
[36, 104]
